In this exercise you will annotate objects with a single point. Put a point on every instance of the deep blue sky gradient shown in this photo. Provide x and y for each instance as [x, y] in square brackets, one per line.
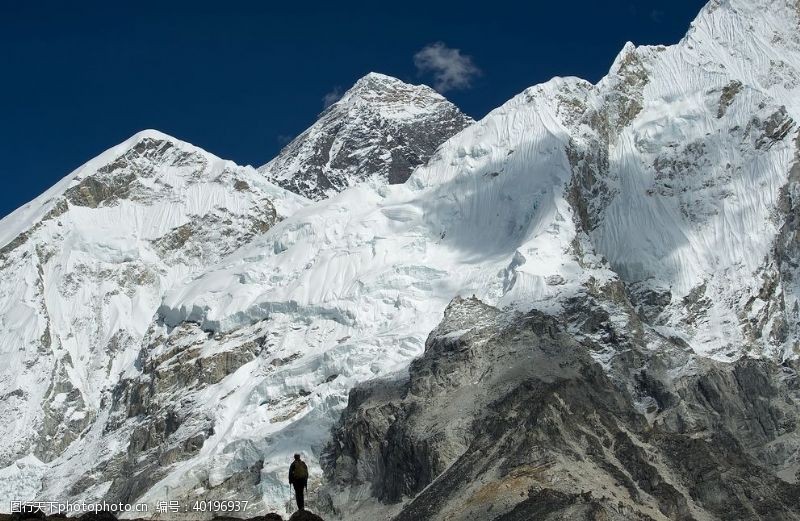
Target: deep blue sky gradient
[241, 78]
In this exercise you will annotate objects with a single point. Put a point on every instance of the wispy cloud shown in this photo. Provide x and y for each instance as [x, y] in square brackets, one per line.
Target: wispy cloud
[332, 97]
[284, 139]
[451, 69]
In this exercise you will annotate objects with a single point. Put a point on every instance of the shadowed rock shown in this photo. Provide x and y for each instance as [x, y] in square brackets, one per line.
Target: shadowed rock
[509, 418]
[304, 515]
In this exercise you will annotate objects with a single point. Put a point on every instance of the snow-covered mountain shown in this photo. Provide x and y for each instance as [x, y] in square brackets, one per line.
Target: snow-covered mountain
[380, 129]
[653, 211]
[85, 267]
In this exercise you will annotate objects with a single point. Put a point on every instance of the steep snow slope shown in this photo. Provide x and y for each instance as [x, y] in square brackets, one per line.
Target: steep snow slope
[381, 129]
[84, 268]
[700, 176]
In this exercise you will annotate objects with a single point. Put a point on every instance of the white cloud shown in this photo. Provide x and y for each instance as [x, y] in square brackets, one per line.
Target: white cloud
[332, 97]
[450, 69]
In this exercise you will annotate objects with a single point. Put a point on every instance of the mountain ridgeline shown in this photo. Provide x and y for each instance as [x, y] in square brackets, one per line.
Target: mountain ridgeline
[584, 305]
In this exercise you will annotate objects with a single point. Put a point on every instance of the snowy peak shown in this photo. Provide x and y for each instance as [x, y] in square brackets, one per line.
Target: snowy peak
[381, 87]
[83, 269]
[380, 130]
[140, 153]
[96, 181]
[394, 98]
[146, 170]
[138, 172]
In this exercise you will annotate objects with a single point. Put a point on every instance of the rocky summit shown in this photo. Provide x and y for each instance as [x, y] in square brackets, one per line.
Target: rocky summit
[583, 305]
[380, 130]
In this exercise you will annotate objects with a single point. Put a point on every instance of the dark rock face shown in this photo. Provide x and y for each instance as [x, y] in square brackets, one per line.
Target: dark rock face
[98, 516]
[304, 515]
[380, 128]
[29, 512]
[272, 516]
[221, 229]
[727, 96]
[778, 318]
[515, 420]
[649, 301]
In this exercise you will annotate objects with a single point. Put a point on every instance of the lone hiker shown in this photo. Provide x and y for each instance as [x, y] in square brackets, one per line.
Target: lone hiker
[298, 478]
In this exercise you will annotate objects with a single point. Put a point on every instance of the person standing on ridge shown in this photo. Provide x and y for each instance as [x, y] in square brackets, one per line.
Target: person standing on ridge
[298, 478]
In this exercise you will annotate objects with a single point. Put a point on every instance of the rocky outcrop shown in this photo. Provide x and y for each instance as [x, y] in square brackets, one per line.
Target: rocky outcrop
[381, 128]
[304, 515]
[511, 417]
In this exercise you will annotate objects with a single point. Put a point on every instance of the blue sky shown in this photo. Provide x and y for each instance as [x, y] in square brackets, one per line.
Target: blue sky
[241, 78]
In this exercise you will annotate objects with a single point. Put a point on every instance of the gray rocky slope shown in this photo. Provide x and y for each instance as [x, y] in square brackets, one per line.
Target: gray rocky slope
[381, 129]
[507, 417]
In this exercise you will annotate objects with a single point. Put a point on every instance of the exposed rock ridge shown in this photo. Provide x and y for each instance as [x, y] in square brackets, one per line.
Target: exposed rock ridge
[381, 129]
[504, 418]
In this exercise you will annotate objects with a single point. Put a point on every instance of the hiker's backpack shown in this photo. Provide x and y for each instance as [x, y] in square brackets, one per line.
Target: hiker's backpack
[300, 470]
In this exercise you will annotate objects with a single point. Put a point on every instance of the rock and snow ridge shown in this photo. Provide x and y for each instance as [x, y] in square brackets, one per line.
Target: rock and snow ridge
[85, 267]
[673, 180]
[380, 130]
